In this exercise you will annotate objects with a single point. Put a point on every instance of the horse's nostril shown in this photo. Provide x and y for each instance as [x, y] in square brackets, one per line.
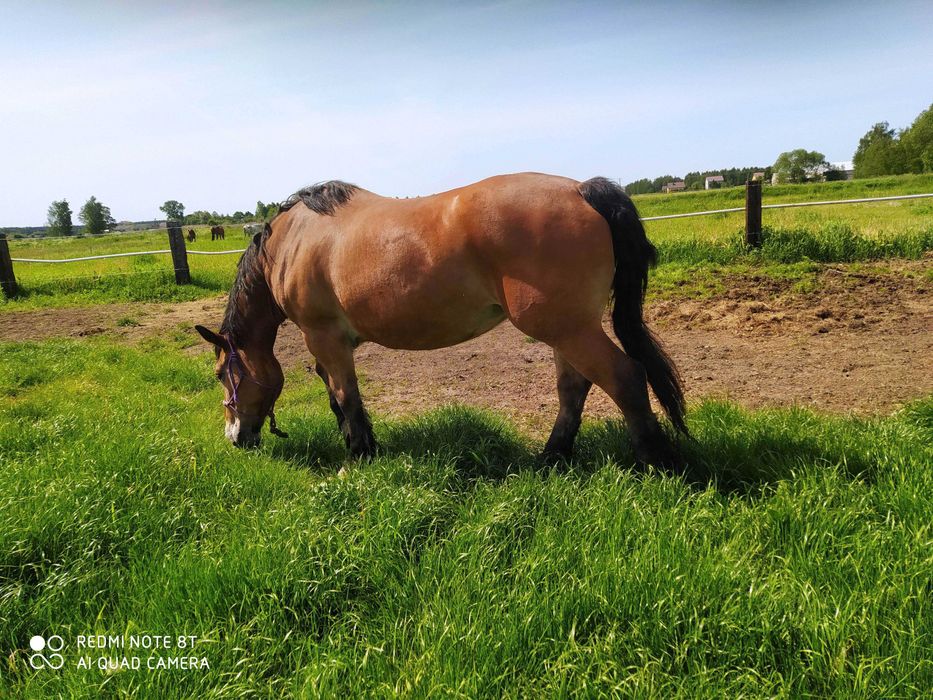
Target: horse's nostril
[248, 440]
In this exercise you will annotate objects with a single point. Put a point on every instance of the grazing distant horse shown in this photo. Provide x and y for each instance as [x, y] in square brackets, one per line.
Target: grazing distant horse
[217, 233]
[348, 266]
[191, 235]
[252, 229]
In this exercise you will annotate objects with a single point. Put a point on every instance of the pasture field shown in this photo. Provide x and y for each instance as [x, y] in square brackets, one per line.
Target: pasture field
[794, 561]
[138, 278]
[843, 233]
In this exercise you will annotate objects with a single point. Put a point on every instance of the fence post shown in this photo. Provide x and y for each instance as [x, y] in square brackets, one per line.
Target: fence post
[7, 278]
[176, 242]
[753, 213]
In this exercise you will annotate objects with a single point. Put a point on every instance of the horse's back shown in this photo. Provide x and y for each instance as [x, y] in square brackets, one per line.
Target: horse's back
[433, 271]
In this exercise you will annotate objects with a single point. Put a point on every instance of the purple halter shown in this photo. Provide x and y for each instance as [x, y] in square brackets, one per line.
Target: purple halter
[233, 358]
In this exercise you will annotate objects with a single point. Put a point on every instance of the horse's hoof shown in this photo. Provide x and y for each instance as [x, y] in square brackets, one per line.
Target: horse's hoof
[658, 450]
[666, 458]
[551, 458]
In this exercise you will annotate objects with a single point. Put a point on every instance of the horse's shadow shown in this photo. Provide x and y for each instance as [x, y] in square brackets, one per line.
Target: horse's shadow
[480, 445]
[477, 443]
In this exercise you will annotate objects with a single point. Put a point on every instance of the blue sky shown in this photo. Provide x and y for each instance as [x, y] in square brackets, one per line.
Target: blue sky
[218, 104]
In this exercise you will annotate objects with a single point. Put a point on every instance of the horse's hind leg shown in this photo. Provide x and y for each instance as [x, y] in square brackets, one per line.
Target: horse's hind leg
[333, 351]
[597, 358]
[572, 389]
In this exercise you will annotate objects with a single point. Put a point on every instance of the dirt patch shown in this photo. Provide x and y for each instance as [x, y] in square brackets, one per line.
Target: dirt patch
[129, 321]
[851, 340]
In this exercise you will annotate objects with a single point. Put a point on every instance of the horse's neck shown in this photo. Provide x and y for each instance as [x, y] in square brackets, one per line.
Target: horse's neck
[262, 317]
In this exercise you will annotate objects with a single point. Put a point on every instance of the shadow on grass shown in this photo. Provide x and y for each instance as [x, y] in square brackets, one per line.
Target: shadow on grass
[478, 443]
[741, 451]
[732, 449]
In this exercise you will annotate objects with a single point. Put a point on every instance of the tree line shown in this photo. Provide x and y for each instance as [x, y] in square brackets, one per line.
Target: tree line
[176, 212]
[881, 151]
[96, 217]
[697, 180]
[887, 151]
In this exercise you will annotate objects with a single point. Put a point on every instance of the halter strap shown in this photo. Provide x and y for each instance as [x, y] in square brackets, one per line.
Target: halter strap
[233, 357]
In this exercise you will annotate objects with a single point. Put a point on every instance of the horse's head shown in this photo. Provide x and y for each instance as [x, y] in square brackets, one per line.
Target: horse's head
[252, 381]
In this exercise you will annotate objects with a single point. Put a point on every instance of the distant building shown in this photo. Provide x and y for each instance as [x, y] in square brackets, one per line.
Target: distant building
[674, 186]
[714, 181]
[846, 167]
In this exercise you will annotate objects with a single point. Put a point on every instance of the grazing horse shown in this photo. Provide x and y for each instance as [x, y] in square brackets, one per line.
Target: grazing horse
[217, 233]
[252, 229]
[348, 266]
[192, 236]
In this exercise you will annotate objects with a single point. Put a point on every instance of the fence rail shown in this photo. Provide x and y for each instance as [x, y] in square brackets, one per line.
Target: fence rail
[126, 255]
[753, 208]
[788, 205]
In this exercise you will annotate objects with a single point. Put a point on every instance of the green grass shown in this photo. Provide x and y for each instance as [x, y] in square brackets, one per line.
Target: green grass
[833, 243]
[839, 233]
[139, 278]
[796, 563]
[825, 234]
[726, 198]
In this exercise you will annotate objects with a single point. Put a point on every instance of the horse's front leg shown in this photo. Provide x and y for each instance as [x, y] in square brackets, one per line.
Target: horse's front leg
[333, 352]
[334, 406]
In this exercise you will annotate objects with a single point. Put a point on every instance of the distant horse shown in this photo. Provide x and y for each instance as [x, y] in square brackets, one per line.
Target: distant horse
[217, 233]
[544, 252]
[191, 235]
[252, 229]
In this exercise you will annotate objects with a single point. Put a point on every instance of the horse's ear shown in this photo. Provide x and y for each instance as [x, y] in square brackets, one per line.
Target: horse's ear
[212, 337]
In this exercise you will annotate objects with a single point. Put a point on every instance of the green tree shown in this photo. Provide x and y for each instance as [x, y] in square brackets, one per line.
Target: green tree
[879, 152]
[95, 216]
[799, 165]
[917, 141]
[174, 210]
[265, 212]
[60, 219]
[643, 186]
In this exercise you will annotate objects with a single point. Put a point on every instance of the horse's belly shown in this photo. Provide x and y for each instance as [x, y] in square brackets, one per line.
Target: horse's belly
[422, 322]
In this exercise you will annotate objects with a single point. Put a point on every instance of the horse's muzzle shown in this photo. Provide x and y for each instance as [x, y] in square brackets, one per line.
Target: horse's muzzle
[243, 435]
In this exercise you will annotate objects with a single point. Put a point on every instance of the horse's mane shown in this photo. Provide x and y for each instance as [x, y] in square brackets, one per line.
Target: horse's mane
[249, 288]
[323, 198]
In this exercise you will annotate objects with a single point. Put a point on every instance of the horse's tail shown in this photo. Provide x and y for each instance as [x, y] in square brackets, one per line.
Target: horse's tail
[634, 254]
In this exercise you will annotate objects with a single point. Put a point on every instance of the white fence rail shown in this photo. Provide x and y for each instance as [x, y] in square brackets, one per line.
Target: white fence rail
[125, 255]
[788, 205]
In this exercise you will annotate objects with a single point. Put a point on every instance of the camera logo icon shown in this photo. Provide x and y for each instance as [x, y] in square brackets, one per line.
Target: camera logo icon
[53, 644]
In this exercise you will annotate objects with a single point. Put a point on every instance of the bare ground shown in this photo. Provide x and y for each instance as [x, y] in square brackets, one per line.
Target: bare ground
[861, 342]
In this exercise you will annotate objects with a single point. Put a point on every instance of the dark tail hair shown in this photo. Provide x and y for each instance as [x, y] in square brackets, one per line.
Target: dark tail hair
[634, 254]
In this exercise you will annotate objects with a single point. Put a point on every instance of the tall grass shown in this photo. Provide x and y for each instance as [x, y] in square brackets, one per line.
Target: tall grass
[796, 562]
[836, 242]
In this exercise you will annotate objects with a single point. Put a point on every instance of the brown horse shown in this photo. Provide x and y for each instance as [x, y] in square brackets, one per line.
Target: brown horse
[217, 233]
[348, 266]
[192, 236]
